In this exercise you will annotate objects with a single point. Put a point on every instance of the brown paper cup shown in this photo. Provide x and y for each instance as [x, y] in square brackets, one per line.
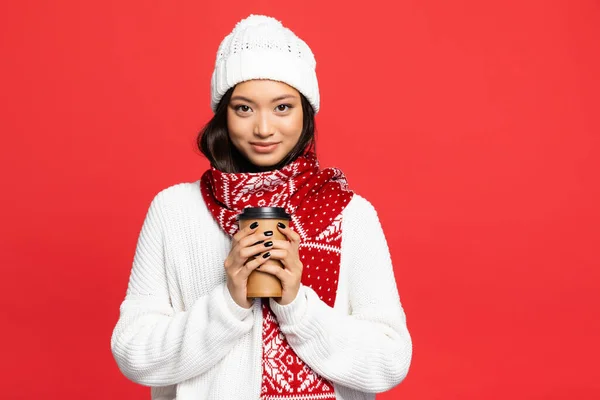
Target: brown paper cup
[261, 284]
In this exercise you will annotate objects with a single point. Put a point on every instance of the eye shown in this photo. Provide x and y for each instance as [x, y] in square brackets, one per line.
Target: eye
[243, 108]
[283, 107]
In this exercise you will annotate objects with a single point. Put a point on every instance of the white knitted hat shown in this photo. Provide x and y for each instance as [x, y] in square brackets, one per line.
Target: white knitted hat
[260, 47]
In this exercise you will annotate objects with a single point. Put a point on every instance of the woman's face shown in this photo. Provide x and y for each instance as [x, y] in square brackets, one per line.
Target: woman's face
[264, 119]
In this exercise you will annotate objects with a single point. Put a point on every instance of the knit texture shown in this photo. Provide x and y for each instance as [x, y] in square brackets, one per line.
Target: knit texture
[180, 332]
[315, 199]
[260, 47]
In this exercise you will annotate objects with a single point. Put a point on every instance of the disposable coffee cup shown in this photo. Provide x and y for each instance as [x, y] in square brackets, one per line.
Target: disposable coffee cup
[262, 284]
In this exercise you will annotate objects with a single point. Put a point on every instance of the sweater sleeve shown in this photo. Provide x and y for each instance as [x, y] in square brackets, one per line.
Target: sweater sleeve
[152, 344]
[369, 350]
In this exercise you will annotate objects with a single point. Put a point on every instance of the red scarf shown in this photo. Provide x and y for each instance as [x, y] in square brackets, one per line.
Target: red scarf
[315, 199]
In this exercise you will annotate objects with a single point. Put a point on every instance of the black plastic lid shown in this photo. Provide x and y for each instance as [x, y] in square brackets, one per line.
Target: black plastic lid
[263, 213]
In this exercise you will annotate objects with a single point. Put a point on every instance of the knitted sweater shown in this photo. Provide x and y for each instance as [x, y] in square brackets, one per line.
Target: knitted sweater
[180, 332]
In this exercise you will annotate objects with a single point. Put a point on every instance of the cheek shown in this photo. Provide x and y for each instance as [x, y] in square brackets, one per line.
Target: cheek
[292, 126]
[235, 126]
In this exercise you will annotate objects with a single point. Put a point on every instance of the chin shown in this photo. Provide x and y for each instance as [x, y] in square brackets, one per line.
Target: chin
[267, 160]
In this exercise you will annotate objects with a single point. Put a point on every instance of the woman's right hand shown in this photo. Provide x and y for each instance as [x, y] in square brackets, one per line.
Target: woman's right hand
[245, 244]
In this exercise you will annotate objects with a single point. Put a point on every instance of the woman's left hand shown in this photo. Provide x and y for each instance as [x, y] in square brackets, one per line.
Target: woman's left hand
[287, 252]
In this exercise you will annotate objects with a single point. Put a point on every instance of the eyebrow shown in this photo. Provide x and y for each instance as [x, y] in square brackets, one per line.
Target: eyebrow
[276, 99]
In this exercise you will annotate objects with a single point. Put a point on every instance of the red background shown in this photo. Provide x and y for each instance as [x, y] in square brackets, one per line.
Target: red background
[472, 126]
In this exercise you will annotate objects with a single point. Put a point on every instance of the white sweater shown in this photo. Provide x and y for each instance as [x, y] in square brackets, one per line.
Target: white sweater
[181, 333]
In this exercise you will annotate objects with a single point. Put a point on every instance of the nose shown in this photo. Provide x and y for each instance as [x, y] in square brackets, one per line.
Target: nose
[263, 127]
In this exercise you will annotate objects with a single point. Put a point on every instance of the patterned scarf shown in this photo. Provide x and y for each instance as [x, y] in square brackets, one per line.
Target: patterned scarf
[315, 199]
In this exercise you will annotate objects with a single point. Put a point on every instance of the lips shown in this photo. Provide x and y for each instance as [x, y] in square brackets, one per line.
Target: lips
[263, 144]
[262, 147]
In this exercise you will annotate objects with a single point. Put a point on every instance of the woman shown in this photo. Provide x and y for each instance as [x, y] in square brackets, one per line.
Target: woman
[186, 327]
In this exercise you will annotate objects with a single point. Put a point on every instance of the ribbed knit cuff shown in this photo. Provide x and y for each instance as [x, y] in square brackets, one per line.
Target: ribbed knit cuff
[292, 313]
[240, 313]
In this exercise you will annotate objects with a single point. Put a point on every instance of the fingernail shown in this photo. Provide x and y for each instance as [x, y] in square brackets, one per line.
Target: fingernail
[254, 225]
[267, 254]
[268, 244]
[269, 233]
[259, 242]
[282, 226]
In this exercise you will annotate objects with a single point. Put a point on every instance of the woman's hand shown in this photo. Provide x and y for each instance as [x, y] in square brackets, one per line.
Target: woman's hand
[286, 251]
[245, 244]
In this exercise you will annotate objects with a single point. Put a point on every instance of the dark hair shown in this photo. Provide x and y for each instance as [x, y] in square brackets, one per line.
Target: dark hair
[214, 142]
